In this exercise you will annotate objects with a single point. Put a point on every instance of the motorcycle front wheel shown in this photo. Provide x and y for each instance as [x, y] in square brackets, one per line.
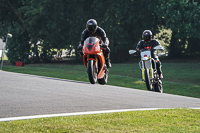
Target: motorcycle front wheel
[147, 80]
[92, 73]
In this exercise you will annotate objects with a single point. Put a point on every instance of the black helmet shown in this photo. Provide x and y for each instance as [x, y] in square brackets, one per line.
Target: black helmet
[91, 25]
[147, 35]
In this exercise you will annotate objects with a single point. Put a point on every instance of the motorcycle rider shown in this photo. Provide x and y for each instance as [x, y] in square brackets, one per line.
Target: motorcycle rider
[93, 30]
[149, 43]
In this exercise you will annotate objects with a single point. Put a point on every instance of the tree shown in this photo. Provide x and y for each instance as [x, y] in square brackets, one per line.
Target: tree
[182, 17]
[11, 20]
[41, 27]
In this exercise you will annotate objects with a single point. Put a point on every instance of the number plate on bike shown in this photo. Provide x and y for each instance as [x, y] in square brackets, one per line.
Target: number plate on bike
[145, 55]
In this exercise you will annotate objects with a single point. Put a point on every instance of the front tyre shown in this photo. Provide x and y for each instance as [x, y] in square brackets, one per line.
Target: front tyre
[147, 80]
[92, 73]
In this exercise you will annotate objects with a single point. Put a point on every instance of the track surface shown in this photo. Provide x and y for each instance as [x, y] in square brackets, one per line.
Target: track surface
[27, 95]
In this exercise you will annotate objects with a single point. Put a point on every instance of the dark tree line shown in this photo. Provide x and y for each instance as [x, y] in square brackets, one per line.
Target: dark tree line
[40, 27]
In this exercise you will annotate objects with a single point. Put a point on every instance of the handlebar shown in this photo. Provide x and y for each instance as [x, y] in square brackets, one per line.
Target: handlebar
[163, 54]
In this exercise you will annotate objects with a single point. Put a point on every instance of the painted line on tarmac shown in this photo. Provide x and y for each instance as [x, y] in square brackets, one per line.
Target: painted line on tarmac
[77, 113]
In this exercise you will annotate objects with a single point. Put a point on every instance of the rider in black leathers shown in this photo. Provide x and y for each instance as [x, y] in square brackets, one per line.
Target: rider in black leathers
[93, 30]
[149, 43]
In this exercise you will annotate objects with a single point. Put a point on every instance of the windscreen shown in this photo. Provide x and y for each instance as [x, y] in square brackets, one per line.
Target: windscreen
[91, 41]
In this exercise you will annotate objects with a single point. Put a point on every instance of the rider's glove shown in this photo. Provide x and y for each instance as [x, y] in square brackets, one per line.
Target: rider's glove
[162, 49]
[79, 47]
[104, 45]
[79, 50]
[136, 53]
[80, 53]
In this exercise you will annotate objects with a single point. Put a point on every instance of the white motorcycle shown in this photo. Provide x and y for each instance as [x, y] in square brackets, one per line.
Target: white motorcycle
[148, 67]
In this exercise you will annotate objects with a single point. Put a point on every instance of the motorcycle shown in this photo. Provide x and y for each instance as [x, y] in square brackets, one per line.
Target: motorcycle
[94, 61]
[148, 67]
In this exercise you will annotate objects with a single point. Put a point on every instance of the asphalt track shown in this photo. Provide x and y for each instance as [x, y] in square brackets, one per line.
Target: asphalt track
[29, 95]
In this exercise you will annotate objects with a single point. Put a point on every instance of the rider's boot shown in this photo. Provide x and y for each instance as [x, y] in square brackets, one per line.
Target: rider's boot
[108, 64]
[107, 56]
[158, 65]
[107, 59]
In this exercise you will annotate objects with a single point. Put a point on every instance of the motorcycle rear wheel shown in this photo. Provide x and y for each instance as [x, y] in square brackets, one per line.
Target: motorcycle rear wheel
[158, 87]
[147, 80]
[92, 74]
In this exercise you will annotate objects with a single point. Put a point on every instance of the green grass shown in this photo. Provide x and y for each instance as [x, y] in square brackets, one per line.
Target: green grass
[179, 78]
[167, 120]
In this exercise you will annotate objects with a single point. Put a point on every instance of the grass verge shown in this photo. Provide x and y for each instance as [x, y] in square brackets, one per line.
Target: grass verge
[166, 120]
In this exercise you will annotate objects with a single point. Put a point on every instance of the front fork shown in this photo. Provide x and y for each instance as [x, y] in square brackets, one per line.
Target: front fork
[150, 70]
[95, 60]
[143, 75]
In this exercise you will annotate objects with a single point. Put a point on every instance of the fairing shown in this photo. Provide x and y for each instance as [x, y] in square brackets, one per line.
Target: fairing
[92, 51]
[91, 46]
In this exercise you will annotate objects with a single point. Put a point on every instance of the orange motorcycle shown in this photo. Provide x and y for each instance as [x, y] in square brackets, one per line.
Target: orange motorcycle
[94, 61]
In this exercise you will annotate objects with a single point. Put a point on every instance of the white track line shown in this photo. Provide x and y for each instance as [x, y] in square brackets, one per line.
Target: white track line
[77, 113]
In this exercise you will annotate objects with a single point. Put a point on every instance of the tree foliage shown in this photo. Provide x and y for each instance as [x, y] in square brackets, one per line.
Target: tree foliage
[183, 18]
[57, 24]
